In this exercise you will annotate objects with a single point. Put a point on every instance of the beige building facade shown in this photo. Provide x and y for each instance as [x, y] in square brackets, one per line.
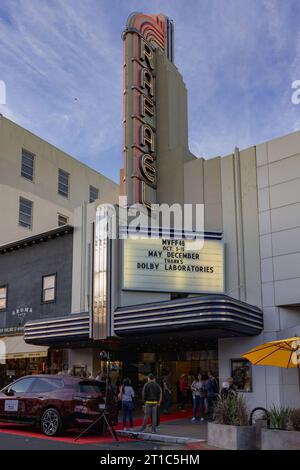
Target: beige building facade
[40, 187]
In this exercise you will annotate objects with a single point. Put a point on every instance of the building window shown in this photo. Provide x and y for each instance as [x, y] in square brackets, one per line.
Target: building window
[63, 183]
[49, 288]
[94, 193]
[62, 220]
[3, 297]
[241, 373]
[25, 213]
[27, 166]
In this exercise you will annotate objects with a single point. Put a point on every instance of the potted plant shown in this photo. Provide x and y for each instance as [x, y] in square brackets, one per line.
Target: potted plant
[284, 432]
[230, 428]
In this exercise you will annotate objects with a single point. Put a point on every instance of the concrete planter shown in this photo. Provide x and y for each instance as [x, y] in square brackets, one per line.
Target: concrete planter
[276, 439]
[231, 437]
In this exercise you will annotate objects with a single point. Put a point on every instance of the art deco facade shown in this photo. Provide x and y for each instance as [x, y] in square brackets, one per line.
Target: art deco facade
[251, 207]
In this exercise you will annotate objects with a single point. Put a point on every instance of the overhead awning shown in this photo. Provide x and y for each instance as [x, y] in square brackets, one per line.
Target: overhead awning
[15, 348]
[216, 312]
[73, 327]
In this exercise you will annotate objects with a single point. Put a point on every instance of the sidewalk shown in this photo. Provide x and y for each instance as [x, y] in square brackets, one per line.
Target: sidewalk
[175, 428]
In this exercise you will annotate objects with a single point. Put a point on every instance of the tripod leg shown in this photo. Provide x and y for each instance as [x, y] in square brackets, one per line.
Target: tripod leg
[88, 428]
[111, 428]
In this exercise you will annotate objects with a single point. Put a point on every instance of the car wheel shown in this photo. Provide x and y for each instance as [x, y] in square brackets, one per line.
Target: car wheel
[51, 422]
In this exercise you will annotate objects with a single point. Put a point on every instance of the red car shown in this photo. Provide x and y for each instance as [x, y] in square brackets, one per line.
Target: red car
[56, 402]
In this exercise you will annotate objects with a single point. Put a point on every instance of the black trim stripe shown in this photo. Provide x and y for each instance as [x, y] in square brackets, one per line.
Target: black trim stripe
[170, 233]
[67, 327]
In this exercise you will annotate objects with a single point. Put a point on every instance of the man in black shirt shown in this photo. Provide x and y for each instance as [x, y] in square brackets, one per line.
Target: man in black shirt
[152, 397]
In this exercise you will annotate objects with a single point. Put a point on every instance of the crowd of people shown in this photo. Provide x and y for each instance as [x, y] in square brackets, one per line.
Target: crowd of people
[204, 391]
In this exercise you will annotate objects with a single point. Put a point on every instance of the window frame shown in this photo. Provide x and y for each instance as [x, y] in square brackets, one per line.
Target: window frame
[24, 151]
[43, 301]
[91, 187]
[4, 286]
[66, 196]
[31, 216]
[65, 217]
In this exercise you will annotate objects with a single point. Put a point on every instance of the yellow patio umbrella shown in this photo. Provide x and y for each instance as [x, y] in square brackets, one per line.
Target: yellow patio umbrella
[281, 353]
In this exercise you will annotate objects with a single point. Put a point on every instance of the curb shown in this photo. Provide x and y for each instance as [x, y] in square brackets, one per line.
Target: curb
[145, 436]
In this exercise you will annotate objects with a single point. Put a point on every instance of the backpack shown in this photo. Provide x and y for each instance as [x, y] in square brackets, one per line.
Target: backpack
[215, 386]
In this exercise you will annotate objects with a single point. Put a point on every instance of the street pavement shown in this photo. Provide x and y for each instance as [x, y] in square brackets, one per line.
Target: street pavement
[169, 436]
[17, 442]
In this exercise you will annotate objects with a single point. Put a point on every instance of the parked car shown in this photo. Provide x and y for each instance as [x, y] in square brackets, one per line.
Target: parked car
[55, 403]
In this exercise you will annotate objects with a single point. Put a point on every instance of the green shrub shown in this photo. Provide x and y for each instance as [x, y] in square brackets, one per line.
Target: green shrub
[232, 411]
[279, 417]
[294, 422]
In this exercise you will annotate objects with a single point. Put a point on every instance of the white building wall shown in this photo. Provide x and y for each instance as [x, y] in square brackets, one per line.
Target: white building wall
[278, 180]
[43, 190]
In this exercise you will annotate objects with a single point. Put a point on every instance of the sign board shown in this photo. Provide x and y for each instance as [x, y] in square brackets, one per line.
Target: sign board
[168, 265]
[11, 405]
[145, 36]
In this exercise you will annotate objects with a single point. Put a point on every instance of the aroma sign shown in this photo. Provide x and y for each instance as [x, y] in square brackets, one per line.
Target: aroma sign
[144, 38]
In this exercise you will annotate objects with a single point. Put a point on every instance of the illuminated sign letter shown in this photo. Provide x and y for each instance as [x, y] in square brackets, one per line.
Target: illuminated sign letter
[148, 169]
[147, 81]
[148, 137]
[144, 200]
[147, 54]
[147, 106]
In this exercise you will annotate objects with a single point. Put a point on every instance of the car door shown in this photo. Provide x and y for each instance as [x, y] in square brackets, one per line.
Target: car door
[41, 394]
[13, 400]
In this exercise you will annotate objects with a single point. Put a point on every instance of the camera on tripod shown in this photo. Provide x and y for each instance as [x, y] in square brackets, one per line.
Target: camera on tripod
[104, 355]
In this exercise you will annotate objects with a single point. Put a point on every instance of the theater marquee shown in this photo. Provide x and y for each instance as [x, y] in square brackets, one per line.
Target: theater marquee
[162, 265]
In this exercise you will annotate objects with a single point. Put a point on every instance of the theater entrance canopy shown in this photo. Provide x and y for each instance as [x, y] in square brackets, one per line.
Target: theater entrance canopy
[207, 316]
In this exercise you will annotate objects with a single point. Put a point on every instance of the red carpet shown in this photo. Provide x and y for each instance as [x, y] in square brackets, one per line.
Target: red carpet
[163, 418]
[70, 435]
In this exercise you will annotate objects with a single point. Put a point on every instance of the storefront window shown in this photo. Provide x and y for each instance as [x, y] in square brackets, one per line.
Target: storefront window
[241, 373]
[3, 297]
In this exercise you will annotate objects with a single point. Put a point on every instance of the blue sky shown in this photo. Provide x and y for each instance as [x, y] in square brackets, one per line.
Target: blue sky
[238, 59]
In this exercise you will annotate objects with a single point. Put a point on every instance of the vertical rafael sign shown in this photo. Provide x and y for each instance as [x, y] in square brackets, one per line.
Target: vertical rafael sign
[145, 37]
